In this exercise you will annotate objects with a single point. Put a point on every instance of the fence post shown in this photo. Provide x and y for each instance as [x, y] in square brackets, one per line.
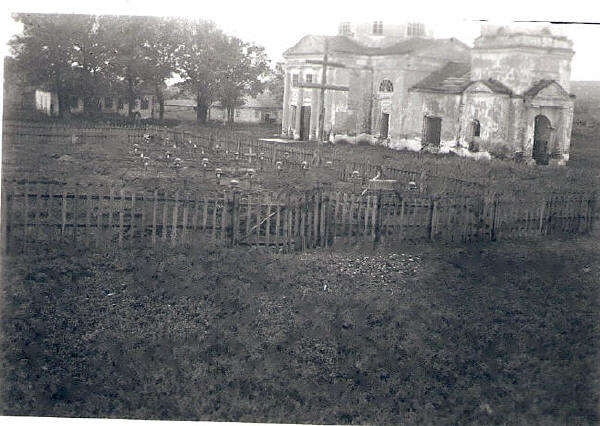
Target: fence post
[5, 220]
[377, 218]
[432, 218]
[234, 206]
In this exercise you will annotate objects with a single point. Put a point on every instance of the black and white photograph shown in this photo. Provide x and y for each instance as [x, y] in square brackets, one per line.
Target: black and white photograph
[300, 213]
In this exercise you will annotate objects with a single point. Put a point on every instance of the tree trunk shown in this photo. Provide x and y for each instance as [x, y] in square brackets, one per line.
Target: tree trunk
[130, 95]
[64, 106]
[161, 103]
[201, 110]
[230, 114]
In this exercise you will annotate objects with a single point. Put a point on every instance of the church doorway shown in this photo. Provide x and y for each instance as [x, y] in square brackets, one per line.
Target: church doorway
[541, 138]
[304, 123]
[432, 131]
[385, 125]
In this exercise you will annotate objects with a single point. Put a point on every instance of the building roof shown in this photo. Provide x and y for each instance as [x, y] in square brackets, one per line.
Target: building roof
[453, 77]
[264, 100]
[541, 85]
[496, 86]
[315, 44]
[181, 102]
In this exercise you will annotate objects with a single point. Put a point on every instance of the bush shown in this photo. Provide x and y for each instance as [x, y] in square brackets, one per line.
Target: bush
[364, 139]
[499, 149]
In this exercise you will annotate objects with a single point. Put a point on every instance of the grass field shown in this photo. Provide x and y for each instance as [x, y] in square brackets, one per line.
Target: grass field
[504, 333]
[501, 334]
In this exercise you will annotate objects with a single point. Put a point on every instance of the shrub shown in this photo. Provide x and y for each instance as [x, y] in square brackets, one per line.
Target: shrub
[498, 149]
[364, 139]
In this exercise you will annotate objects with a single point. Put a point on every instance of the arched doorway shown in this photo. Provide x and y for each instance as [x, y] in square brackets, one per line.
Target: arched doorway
[541, 139]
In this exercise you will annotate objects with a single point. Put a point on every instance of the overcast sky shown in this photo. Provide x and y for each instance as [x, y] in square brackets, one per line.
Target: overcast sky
[277, 25]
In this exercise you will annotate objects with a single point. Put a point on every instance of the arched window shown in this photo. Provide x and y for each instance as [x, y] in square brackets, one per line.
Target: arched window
[386, 86]
[476, 128]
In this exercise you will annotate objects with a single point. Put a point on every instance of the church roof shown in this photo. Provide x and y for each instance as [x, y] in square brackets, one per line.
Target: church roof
[541, 85]
[497, 86]
[315, 44]
[453, 77]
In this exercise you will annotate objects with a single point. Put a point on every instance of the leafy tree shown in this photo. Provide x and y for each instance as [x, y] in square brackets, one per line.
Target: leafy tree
[65, 54]
[125, 37]
[245, 69]
[43, 53]
[201, 63]
[276, 81]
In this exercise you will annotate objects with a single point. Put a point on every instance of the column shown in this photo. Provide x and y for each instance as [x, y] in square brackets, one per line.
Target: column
[285, 125]
[299, 102]
[314, 114]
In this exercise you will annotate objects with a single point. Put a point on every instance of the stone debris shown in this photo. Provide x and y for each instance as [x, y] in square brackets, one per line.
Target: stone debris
[377, 269]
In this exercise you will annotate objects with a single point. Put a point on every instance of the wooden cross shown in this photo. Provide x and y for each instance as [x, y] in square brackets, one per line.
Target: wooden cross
[250, 154]
[324, 86]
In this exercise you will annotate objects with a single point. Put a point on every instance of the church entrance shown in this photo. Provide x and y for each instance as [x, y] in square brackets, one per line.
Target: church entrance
[304, 123]
[432, 131]
[541, 138]
[385, 125]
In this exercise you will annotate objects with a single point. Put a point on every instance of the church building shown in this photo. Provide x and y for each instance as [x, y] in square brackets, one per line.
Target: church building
[508, 93]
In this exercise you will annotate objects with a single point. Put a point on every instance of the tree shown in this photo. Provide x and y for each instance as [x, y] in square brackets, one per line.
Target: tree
[43, 53]
[125, 36]
[245, 69]
[276, 82]
[201, 63]
[65, 54]
[159, 55]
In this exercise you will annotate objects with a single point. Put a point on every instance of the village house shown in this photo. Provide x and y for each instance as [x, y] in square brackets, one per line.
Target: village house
[145, 106]
[262, 108]
[509, 93]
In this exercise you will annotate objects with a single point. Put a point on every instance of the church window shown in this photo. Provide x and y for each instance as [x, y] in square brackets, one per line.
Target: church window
[295, 79]
[309, 78]
[415, 29]
[345, 28]
[386, 86]
[378, 27]
[476, 128]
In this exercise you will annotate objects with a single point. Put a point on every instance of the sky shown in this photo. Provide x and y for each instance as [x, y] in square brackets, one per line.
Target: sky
[279, 24]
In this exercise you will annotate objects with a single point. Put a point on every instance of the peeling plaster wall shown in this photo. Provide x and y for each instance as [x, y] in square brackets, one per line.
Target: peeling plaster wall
[520, 60]
[421, 104]
[561, 119]
[492, 111]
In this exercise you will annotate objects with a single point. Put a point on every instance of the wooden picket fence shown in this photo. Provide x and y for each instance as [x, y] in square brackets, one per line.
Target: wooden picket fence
[95, 215]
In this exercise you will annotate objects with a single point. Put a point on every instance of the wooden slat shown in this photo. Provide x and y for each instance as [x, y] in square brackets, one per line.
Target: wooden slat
[268, 224]
[185, 217]
[132, 219]
[63, 214]
[88, 212]
[165, 210]
[121, 216]
[154, 216]
[322, 220]
[214, 217]
[204, 212]
[316, 201]
[109, 230]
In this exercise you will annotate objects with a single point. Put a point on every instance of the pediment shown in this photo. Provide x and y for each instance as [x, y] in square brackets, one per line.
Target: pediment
[552, 91]
[478, 87]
